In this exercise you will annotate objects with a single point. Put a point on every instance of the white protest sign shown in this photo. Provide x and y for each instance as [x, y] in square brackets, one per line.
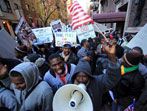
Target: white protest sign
[62, 38]
[85, 32]
[43, 35]
[140, 40]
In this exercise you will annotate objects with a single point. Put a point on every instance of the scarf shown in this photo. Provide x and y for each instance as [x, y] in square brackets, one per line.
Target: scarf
[130, 69]
[63, 76]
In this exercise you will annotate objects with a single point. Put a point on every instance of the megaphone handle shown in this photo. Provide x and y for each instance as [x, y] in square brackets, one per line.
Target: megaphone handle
[76, 99]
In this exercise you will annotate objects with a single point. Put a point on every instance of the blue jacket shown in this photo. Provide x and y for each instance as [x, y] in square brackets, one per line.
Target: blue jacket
[54, 81]
[7, 99]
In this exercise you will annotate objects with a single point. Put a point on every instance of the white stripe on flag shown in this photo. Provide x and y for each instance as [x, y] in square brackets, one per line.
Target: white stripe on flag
[79, 17]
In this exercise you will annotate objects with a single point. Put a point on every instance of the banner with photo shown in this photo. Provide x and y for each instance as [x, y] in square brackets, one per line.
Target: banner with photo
[43, 35]
[56, 26]
[62, 38]
[85, 32]
[24, 32]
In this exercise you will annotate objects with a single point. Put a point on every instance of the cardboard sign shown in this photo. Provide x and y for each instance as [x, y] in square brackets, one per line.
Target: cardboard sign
[43, 35]
[140, 40]
[62, 38]
[85, 32]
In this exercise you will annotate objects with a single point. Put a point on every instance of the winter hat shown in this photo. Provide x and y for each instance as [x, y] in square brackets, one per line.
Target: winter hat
[35, 58]
[22, 49]
[67, 46]
[132, 58]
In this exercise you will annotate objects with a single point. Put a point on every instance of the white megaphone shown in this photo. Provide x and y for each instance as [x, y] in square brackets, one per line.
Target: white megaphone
[72, 97]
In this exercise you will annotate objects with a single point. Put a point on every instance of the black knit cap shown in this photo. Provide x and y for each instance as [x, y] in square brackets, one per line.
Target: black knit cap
[67, 46]
[132, 58]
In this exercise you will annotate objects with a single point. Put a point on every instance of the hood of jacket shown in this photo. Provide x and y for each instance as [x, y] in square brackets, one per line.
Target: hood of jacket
[29, 72]
[82, 66]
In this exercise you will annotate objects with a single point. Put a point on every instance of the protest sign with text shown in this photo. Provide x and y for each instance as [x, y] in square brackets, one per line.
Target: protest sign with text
[85, 32]
[43, 35]
[62, 38]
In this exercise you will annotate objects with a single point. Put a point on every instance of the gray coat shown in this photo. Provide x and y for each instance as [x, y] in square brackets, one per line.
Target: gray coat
[37, 96]
[7, 99]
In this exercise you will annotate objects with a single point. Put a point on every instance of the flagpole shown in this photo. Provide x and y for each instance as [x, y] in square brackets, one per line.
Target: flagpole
[102, 34]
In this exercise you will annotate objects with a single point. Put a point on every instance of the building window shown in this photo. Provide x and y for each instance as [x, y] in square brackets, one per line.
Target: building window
[5, 6]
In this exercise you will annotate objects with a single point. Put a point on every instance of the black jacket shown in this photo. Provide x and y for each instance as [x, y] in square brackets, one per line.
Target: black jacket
[130, 86]
[98, 85]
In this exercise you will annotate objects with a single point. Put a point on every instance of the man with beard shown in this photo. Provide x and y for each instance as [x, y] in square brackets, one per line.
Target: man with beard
[60, 73]
[68, 55]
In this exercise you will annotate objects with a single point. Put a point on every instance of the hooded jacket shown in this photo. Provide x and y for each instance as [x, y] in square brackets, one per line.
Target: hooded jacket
[38, 94]
[98, 85]
[82, 66]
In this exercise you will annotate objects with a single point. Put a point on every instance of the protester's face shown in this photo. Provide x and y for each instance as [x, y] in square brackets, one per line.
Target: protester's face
[87, 44]
[66, 51]
[19, 82]
[3, 70]
[57, 65]
[81, 78]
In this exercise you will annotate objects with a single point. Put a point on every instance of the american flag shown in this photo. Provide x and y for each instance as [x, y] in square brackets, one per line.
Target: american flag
[78, 16]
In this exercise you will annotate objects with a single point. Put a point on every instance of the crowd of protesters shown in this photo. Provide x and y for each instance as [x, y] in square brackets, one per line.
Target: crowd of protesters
[115, 76]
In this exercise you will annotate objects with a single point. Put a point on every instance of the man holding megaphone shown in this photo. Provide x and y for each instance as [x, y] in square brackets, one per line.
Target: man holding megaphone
[96, 86]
